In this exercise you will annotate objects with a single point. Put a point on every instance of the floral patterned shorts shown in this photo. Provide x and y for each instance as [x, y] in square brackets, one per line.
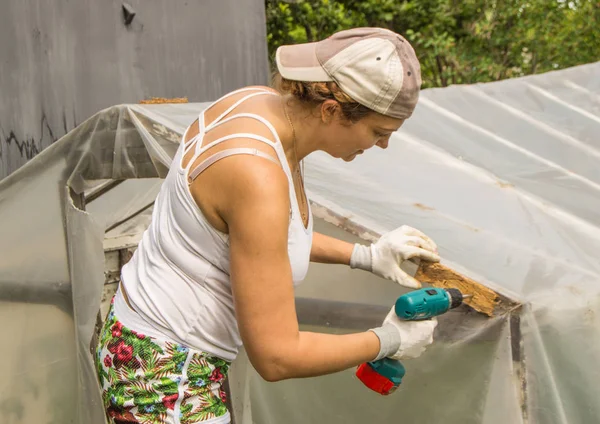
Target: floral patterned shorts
[147, 380]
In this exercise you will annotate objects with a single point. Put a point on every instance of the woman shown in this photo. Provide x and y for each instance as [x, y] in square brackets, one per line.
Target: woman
[231, 236]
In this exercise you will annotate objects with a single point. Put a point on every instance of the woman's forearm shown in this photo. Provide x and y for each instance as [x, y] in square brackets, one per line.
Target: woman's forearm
[330, 250]
[317, 354]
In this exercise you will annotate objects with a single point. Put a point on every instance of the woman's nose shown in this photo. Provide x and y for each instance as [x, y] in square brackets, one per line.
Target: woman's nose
[383, 143]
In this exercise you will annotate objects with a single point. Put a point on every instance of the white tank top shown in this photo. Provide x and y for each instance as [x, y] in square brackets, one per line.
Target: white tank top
[178, 280]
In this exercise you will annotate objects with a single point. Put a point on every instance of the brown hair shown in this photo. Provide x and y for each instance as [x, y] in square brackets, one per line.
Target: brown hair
[314, 93]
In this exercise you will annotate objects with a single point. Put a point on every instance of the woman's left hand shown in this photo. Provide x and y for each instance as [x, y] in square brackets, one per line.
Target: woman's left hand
[385, 257]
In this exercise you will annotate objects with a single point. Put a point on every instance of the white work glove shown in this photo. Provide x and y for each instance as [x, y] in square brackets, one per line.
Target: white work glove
[385, 257]
[403, 339]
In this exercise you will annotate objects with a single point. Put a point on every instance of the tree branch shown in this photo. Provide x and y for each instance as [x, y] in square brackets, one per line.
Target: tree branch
[443, 80]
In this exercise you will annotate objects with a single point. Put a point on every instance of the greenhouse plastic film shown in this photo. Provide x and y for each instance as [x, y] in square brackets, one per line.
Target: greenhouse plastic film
[502, 176]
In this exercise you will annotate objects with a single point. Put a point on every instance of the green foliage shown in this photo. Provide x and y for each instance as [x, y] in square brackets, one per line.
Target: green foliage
[457, 41]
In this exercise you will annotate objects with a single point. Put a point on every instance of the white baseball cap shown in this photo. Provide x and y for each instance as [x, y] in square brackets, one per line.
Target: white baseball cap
[376, 67]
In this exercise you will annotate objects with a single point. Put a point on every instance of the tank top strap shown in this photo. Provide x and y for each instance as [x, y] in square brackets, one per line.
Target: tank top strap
[227, 153]
[201, 124]
[233, 106]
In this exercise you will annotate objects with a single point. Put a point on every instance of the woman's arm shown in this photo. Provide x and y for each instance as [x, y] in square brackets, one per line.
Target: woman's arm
[329, 250]
[256, 210]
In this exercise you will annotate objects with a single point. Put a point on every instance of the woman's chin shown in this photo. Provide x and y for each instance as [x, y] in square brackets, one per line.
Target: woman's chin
[352, 156]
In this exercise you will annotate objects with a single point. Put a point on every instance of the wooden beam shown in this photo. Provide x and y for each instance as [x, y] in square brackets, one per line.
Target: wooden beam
[133, 215]
[484, 300]
[101, 190]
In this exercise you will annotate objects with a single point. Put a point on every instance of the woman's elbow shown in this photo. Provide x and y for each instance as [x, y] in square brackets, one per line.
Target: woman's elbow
[272, 368]
[271, 375]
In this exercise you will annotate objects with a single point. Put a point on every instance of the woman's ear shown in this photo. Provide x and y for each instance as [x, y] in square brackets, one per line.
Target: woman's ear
[329, 108]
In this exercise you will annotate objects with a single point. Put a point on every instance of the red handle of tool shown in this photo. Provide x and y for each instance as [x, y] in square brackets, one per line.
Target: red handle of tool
[374, 381]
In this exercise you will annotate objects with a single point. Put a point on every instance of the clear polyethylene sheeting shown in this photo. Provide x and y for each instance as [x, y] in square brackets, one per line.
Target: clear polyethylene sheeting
[505, 177]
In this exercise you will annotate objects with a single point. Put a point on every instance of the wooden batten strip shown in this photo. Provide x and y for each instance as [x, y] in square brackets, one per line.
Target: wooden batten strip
[484, 300]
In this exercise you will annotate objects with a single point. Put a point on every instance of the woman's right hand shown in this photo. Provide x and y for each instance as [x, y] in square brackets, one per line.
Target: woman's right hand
[404, 339]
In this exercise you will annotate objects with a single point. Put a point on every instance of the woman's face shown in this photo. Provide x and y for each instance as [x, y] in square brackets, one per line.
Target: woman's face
[348, 139]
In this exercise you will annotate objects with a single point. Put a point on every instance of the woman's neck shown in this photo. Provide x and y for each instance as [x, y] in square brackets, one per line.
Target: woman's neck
[299, 131]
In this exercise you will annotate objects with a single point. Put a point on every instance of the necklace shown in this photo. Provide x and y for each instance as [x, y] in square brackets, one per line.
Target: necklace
[300, 174]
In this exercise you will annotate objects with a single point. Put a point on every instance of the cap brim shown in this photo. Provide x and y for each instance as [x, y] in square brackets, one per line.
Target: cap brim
[299, 63]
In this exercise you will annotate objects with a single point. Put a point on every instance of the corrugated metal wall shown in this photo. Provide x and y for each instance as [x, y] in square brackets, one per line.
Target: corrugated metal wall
[61, 61]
